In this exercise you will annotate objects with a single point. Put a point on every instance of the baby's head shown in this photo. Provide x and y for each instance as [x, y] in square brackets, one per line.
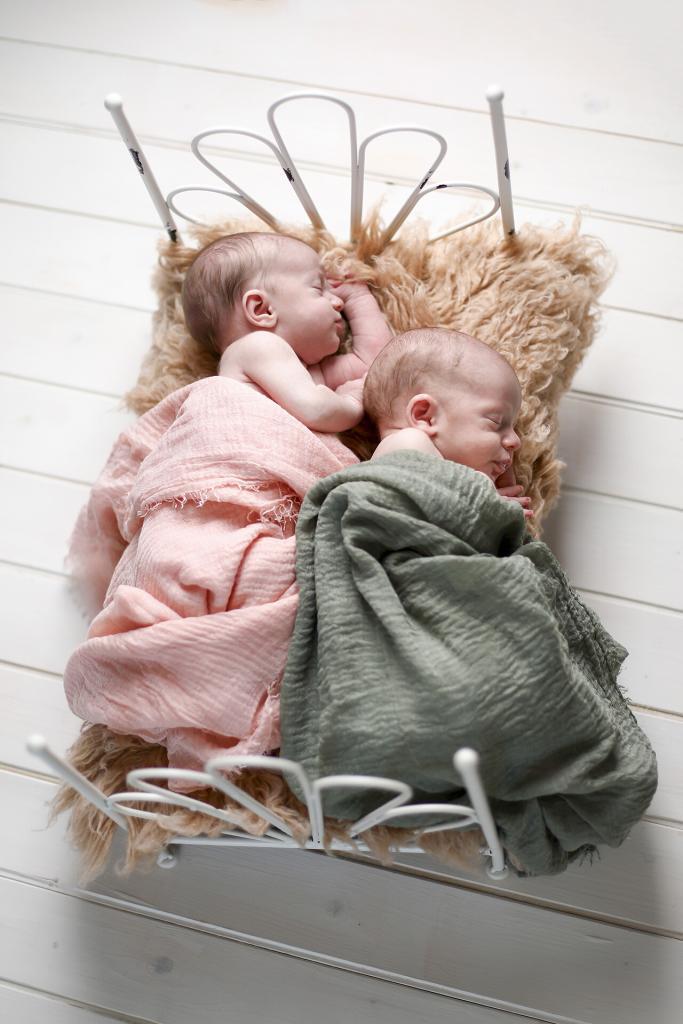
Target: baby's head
[461, 393]
[258, 281]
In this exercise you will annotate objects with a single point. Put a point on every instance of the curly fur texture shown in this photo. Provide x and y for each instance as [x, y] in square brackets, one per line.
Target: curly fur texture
[532, 297]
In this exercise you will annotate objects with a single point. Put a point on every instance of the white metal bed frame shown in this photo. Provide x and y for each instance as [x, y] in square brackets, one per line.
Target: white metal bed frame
[167, 206]
[143, 793]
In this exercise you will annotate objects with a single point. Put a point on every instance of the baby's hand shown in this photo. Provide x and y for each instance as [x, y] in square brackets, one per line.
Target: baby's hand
[508, 488]
[513, 492]
[352, 388]
[349, 290]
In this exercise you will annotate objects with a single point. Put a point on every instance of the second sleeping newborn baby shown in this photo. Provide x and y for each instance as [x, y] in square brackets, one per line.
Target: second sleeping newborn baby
[447, 394]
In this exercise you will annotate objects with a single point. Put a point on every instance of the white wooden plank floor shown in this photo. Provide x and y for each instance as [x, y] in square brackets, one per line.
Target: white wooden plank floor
[593, 96]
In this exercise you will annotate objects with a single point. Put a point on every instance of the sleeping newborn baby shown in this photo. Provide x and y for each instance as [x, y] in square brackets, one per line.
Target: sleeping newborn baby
[446, 394]
[264, 304]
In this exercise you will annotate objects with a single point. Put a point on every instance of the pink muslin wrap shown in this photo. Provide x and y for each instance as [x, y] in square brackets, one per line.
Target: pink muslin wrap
[187, 547]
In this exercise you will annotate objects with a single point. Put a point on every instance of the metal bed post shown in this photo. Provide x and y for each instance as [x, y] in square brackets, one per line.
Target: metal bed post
[37, 745]
[466, 761]
[494, 95]
[114, 105]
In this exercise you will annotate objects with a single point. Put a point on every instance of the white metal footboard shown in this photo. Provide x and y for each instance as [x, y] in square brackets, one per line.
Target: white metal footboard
[144, 793]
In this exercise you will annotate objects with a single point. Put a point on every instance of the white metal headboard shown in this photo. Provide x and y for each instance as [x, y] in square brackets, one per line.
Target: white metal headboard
[167, 206]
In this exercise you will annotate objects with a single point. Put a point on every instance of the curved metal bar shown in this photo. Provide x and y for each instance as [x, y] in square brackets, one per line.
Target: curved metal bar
[443, 810]
[495, 203]
[119, 800]
[279, 765]
[296, 180]
[401, 790]
[246, 199]
[357, 213]
[170, 199]
[466, 762]
[137, 779]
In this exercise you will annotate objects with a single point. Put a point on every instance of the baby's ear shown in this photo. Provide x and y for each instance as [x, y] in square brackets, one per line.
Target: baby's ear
[257, 310]
[421, 413]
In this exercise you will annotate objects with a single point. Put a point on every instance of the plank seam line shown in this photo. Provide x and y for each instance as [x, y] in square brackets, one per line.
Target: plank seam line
[58, 384]
[51, 573]
[529, 900]
[224, 72]
[631, 601]
[100, 1011]
[618, 498]
[327, 169]
[597, 213]
[297, 952]
[74, 298]
[647, 408]
[66, 212]
[641, 312]
[29, 668]
[46, 476]
[645, 709]
[675, 717]
[664, 821]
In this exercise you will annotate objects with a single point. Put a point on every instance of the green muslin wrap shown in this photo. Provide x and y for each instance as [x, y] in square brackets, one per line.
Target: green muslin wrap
[429, 621]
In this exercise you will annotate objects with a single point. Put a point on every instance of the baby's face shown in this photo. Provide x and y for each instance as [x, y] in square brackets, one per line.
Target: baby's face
[475, 422]
[308, 311]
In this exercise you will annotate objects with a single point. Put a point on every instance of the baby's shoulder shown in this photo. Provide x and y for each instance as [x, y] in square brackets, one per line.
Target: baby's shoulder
[248, 351]
[243, 354]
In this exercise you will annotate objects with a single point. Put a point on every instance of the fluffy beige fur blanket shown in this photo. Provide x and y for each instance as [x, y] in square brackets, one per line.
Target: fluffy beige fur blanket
[531, 296]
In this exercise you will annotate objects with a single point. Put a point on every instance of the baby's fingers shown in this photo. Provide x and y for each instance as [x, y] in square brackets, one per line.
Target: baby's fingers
[521, 500]
[347, 288]
[514, 491]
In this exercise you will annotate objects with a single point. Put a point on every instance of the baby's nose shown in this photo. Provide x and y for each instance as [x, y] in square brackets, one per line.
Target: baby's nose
[512, 441]
[337, 302]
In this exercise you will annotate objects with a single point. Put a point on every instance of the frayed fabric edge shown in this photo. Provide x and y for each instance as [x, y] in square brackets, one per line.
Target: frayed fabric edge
[283, 512]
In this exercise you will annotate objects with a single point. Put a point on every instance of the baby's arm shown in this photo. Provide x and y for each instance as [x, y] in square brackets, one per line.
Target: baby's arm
[267, 360]
[408, 439]
[369, 331]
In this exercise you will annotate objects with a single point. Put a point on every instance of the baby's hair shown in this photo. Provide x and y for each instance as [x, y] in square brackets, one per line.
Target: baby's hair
[217, 278]
[410, 363]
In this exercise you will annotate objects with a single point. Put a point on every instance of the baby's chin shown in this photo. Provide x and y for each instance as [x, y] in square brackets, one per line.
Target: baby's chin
[490, 474]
